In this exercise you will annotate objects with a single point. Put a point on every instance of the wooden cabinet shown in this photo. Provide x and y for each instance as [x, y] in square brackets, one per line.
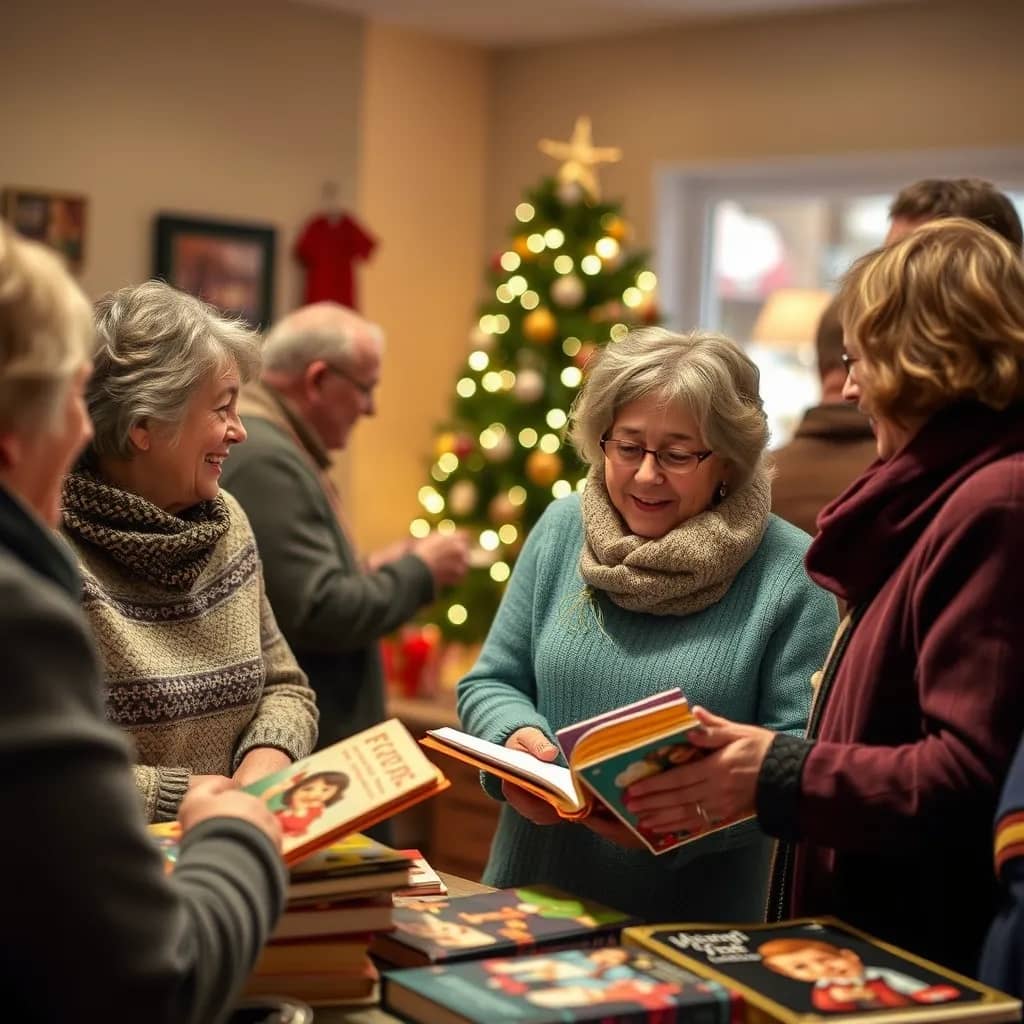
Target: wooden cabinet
[454, 830]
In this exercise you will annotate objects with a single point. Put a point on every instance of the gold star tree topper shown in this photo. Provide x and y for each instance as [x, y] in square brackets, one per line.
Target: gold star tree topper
[580, 157]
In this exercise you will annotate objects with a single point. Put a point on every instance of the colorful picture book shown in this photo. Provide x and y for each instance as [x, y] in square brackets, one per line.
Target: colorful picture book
[607, 984]
[605, 756]
[346, 787]
[811, 970]
[505, 921]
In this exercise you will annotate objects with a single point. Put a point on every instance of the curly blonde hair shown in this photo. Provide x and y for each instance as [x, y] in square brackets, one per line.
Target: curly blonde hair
[939, 318]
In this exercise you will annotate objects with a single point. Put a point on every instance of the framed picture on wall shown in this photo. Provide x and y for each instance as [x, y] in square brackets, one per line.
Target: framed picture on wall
[56, 219]
[229, 265]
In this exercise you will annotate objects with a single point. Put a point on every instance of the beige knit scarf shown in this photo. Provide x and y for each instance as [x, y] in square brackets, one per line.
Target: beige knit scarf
[688, 569]
[167, 550]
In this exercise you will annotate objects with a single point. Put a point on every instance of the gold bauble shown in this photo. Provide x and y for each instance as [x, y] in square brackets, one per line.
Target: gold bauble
[520, 246]
[616, 227]
[540, 326]
[443, 444]
[543, 468]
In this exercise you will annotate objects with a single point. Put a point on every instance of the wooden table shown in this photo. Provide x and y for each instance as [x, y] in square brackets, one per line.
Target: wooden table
[374, 1014]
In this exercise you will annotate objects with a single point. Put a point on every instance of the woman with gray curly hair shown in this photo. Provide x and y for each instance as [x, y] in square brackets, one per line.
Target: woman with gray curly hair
[669, 570]
[196, 668]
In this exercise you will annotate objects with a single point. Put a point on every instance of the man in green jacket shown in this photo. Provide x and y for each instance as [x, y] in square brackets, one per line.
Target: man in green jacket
[321, 366]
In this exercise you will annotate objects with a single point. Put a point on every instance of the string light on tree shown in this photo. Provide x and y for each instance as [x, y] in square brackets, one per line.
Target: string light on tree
[561, 283]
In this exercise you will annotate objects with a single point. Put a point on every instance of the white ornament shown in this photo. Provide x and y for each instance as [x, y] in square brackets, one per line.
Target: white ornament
[570, 192]
[462, 498]
[500, 451]
[529, 385]
[568, 291]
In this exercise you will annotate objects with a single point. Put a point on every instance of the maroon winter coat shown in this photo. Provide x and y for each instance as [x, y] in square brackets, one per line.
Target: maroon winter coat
[891, 799]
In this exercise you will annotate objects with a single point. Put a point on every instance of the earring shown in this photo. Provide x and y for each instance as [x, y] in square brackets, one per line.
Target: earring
[722, 491]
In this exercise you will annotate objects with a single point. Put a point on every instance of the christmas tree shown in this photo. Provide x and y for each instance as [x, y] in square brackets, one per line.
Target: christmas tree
[565, 285]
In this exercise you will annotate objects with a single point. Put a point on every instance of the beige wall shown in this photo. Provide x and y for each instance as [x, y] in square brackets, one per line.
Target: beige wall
[930, 74]
[422, 177]
[233, 109]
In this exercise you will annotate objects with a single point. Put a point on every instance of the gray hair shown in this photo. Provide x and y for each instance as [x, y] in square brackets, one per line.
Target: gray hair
[708, 373]
[157, 345]
[323, 330]
[46, 332]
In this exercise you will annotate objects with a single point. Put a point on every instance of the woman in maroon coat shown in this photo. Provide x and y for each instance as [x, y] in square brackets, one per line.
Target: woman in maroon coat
[886, 806]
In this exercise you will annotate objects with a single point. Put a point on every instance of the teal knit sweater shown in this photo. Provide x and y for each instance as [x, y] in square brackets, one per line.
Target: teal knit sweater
[548, 662]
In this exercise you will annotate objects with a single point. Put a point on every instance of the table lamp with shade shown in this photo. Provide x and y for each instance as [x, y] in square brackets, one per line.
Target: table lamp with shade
[782, 345]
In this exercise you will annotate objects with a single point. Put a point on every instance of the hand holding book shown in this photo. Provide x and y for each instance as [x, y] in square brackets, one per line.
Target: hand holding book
[607, 755]
[719, 786]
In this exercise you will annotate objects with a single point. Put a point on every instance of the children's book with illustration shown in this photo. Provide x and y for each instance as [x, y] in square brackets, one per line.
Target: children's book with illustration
[605, 756]
[811, 970]
[496, 923]
[606, 984]
[346, 787]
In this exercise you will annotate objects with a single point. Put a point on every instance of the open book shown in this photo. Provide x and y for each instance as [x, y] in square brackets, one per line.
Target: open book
[344, 788]
[605, 756]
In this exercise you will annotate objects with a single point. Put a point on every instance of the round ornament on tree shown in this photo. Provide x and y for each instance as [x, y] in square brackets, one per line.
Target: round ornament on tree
[529, 385]
[462, 445]
[521, 247]
[540, 326]
[462, 498]
[616, 227]
[500, 451]
[501, 510]
[568, 291]
[587, 349]
[543, 468]
[443, 444]
[570, 192]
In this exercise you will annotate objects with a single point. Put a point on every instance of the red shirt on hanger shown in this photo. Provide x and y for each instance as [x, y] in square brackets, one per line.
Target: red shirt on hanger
[328, 247]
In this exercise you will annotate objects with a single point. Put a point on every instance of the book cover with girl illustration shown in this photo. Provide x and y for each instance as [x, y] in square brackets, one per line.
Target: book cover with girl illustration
[347, 787]
[342, 789]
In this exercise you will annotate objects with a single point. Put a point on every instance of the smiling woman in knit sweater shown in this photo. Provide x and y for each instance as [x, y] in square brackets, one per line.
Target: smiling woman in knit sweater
[668, 571]
[195, 666]
[93, 928]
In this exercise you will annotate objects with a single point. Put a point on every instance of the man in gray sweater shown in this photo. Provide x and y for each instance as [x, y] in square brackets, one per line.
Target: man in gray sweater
[321, 366]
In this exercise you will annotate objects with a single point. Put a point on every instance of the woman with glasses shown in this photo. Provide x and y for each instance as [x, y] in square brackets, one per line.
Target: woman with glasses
[889, 801]
[669, 570]
[195, 667]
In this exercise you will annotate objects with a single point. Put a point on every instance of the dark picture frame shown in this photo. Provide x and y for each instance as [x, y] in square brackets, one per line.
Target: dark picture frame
[56, 219]
[230, 265]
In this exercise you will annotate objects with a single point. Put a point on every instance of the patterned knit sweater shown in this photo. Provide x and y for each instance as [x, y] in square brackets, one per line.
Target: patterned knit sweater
[549, 662]
[195, 667]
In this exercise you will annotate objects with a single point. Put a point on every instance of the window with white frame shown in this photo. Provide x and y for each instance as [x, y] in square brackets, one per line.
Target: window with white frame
[754, 251]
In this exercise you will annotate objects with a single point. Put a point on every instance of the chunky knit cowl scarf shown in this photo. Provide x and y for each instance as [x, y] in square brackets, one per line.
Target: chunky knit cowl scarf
[689, 568]
[166, 550]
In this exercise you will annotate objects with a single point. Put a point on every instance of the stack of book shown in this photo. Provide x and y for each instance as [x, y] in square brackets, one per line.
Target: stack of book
[341, 889]
[338, 900]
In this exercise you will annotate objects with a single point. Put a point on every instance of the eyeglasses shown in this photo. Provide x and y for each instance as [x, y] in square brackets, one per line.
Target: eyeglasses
[672, 460]
[366, 390]
[849, 360]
